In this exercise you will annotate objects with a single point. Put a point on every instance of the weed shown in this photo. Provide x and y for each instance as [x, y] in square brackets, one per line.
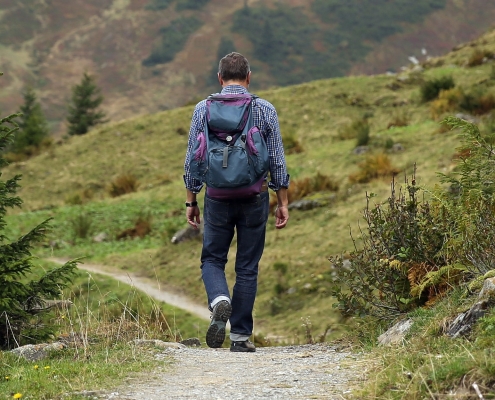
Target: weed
[399, 119]
[123, 184]
[430, 89]
[373, 167]
[82, 226]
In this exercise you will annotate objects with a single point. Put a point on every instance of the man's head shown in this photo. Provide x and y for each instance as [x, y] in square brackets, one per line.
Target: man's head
[234, 68]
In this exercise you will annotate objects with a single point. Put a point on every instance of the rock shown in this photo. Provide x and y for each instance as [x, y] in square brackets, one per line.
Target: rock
[361, 150]
[35, 352]
[157, 343]
[58, 244]
[187, 233]
[100, 237]
[468, 118]
[304, 205]
[397, 147]
[464, 321]
[191, 342]
[488, 290]
[396, 333]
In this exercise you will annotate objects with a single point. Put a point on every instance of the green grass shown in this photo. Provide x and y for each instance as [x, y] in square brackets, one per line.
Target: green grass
[429, 364]
[109, 315]
[152, 149]
[72, 371]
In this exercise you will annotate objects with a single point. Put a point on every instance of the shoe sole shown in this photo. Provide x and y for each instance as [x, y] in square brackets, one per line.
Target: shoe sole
[215, 336]
[242, 350]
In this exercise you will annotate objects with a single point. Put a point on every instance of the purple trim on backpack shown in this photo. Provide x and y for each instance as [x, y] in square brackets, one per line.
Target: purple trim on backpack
[226, 194]
[201, 151]
[250, 141]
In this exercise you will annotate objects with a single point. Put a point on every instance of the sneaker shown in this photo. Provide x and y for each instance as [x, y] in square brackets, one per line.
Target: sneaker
[215, 335]
[244, 346]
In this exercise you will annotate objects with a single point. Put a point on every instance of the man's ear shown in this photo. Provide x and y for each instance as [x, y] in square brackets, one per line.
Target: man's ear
[220, 80]
[248, 79]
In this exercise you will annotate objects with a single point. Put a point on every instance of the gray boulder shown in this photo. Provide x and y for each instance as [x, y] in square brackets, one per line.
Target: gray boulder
[188, 233]
[35, 352]
[396, 333]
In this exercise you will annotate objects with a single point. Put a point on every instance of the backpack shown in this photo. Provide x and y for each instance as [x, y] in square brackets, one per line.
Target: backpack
[231, 155]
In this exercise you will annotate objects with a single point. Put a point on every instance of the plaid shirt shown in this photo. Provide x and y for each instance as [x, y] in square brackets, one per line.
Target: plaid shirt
[265, 118]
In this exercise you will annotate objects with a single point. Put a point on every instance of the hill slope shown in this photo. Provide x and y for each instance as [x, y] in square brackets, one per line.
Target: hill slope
[150, 55]
[315, 115]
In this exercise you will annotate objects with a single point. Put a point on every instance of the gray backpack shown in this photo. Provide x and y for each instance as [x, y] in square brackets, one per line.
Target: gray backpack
[230, 156]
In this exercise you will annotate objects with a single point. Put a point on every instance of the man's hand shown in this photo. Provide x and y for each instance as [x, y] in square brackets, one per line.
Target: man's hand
[192, 215]
[281, 217]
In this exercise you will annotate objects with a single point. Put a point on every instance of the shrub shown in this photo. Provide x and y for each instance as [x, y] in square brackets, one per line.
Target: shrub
[373, 167]
[478, 57]
[415, 251]
[141, 228]
[358, 129]
[400, 246]
[301, 188]
[430, 89]
[292, 145]
[477, 102]
[471, 206]
[123, 184]
[80, 197]
[448, 101]
[305, 186]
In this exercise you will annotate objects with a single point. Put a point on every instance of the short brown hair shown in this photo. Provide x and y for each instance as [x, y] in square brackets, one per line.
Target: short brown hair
[233, 67]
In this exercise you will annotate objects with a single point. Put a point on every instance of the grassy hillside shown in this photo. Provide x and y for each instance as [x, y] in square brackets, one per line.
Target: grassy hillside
[71, 183]
[151, 55]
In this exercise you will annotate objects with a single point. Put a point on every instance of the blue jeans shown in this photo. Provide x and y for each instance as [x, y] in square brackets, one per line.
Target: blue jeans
[221, 218]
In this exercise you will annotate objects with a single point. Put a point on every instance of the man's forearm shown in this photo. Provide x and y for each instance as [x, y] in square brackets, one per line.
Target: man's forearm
[282, 200]
[190, 196]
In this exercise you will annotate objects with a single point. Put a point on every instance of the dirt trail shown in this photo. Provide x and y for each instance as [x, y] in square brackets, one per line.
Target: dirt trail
[152, 288]
[318, 371]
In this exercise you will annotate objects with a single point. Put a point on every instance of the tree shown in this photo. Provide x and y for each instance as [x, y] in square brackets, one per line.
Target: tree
[32, 125]
[23, 288]
[83, 110]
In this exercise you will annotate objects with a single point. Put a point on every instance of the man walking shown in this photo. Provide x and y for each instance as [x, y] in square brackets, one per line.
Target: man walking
[247, 215]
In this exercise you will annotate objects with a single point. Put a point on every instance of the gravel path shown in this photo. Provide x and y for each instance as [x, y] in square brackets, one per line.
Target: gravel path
[290, 372]
[319, 371]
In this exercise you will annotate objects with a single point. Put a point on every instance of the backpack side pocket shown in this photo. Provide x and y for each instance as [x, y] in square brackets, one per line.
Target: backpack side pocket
[258, 151]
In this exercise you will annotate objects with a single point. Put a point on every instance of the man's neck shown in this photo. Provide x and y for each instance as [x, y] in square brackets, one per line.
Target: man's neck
[240, 83]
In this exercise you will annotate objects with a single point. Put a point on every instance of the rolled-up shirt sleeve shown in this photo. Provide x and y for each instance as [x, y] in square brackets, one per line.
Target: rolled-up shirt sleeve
[279, 178]
[197, 123]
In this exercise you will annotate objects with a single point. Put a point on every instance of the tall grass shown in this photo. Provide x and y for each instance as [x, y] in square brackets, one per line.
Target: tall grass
[98, 332]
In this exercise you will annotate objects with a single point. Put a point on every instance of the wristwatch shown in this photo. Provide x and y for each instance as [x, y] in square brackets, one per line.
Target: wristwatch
[191, 204]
